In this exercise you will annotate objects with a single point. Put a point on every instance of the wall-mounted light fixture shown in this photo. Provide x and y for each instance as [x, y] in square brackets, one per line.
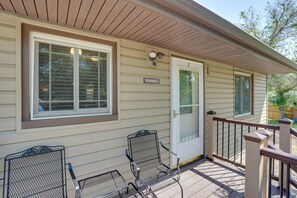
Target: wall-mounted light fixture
[153, 55]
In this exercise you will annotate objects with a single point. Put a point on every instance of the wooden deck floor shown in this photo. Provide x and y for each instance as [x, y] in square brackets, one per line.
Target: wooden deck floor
[215, 179]
[206, 178]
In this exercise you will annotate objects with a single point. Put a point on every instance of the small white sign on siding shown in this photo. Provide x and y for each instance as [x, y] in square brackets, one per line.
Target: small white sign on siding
[151, 80]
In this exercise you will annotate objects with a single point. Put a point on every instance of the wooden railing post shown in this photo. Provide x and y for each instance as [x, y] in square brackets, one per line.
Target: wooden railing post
[210, 134]
[266, 173]
[284, 142]
[256, 166]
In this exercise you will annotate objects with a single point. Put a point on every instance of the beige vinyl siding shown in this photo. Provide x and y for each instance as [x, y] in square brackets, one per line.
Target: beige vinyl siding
[96, 147]
[218, 87]
[219, 97]
[219, 92]
[7, 76]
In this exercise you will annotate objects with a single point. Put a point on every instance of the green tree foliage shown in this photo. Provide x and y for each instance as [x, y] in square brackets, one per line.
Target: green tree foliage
[280, 89]
[277, 28]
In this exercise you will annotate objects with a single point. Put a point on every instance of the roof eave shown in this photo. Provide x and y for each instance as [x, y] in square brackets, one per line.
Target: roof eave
[198, 17]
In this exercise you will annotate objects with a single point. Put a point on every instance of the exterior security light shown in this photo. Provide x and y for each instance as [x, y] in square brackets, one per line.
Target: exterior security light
[153, 55]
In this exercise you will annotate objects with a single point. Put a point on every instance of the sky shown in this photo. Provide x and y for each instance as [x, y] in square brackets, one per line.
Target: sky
[230, 9]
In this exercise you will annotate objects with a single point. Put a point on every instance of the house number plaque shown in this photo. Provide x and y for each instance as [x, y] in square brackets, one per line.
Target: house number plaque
[151, 80]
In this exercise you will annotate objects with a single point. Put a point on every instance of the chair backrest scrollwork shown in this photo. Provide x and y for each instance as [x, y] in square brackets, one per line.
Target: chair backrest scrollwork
[38, 172]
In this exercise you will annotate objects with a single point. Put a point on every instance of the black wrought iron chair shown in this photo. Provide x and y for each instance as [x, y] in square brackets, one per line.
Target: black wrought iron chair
[146, 164]
[36, 172]
[108, 184]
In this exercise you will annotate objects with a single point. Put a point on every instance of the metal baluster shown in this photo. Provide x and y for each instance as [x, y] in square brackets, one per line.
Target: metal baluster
[288, 181]
[234, 142]
[241, 144]
[217, 137]
[269, 177]
[223, 139]
[274, 136]
[228, 139]
[274, 144]
[282, 179]
[249, 128]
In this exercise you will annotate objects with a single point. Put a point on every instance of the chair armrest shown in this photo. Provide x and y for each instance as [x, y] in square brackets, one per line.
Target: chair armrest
[73, 177]
[128, 156]
[177, 157]
[134, 166]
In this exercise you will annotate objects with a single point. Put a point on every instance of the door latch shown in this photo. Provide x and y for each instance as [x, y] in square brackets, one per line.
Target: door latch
[175, 114]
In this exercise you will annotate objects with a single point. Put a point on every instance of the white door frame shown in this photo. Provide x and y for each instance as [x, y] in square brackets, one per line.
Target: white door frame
[174, 135]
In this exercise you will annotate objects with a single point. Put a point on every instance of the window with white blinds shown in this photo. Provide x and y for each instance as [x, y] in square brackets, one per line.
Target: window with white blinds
[70, 78]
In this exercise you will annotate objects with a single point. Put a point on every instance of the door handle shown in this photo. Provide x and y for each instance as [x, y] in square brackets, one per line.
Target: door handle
[175, 114]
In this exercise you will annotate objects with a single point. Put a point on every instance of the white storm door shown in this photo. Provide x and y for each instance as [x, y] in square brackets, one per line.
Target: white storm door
[186, 109]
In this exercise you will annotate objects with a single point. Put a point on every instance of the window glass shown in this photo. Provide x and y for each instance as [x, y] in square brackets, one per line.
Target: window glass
[185, 91]
[189, 89]
[70, 81]
[61, 79]
[93, 79]
[242, 94]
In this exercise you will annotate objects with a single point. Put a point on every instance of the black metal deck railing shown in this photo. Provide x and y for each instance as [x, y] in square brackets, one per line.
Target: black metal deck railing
[286, 180]
[230, 145]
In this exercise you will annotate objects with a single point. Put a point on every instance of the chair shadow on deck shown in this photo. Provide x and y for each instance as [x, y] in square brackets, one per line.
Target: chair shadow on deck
[224, 180]
[205, 178]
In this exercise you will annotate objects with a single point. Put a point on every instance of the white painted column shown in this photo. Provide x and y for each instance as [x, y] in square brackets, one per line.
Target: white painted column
[210, 134]
[256, 165]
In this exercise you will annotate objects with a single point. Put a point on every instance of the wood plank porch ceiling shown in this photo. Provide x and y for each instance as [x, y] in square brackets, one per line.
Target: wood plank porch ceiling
[130, 20]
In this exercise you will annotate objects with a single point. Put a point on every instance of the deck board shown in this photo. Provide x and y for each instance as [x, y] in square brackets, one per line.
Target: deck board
[206, 178]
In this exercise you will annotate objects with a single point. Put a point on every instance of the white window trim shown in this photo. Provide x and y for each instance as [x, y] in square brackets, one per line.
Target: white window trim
[251, 98]
[64, 41]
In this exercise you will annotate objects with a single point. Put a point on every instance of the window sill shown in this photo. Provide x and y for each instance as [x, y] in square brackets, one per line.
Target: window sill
[67, 121]
[244, 116]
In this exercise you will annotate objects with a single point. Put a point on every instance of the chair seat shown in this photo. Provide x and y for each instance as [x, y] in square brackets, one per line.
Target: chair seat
[159, 177]
[103, 185]
[146, 162]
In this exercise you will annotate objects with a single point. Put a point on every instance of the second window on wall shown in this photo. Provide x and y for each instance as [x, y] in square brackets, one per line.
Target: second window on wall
[243, 94]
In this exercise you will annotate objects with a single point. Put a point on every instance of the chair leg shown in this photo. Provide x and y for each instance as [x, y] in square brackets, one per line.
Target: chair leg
[181, 188]
[121, 193]
[135, 189]
[149, 193]
[152, 192]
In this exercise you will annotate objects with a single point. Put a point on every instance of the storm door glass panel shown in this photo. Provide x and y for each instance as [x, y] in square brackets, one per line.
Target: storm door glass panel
[55, 79]
[188, 105]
